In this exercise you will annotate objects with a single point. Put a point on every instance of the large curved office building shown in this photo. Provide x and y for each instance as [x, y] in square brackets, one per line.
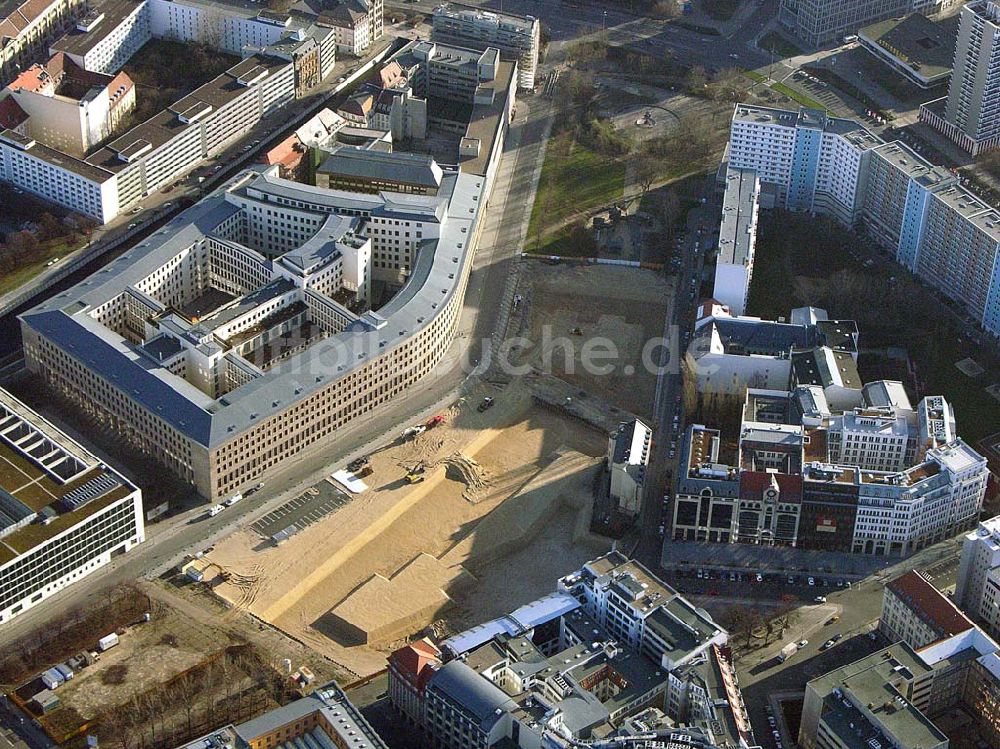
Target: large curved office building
[241, 333]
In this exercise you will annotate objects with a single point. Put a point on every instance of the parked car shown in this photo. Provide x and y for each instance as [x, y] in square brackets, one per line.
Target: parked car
[819, 599]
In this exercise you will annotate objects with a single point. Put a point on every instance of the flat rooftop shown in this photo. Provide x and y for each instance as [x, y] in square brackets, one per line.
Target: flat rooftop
[870, 682]
[739, 208]
[110, 15]
[923, 46]
[45, 472]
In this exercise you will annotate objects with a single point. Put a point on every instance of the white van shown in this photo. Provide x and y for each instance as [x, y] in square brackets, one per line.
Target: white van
[215, 510]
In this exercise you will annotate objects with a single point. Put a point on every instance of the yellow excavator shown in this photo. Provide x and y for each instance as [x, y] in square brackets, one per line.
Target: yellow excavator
[415, 474]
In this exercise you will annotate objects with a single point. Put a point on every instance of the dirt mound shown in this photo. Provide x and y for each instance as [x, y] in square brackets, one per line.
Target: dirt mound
[460, 467]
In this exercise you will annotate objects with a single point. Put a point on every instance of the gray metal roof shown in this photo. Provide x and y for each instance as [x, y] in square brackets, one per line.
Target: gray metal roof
[404, 168]
[476, 695]
[63, 319]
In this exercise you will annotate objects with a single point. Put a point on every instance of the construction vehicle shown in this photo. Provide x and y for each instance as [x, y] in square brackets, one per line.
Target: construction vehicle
[415, 474]
[412, 432]
[435, 421]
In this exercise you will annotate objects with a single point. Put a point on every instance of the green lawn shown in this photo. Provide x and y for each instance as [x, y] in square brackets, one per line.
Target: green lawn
[801, 261]
[788, 91]
[574, 180]
[10, 281]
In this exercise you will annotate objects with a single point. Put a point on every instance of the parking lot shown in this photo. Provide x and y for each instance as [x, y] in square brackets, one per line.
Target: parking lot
[309, 507]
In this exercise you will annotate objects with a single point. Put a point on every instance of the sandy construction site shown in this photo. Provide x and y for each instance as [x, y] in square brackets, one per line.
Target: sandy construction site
[508, 485]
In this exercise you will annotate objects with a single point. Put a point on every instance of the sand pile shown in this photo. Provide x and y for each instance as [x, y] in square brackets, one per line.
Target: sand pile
[460, 467]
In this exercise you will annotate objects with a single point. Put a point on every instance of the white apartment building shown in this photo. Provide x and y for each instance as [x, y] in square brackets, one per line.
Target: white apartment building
[517, 37]
[156, 152]
[107, 37]
[730, 352]
[737, 239]
[938, 230]
[63, 513]
[816, 162]
[970, 114]
[634, 607]
[977, 590]
[628, 456]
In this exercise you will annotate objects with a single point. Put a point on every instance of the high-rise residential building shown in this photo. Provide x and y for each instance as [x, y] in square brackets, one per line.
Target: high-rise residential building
[517, 37]
[971, 113]
[936, 228]
[63, 512]
[818, 22]
[977, 589]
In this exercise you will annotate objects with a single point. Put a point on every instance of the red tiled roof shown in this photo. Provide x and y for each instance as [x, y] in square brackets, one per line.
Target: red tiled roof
[287, 153]
[930, 604]
[21, 17]
[416, 661]
[34, 79]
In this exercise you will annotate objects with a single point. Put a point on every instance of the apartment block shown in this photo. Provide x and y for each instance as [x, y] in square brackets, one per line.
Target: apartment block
[916, 612]
[106, 38]
[156, 152]
[26, 29]
[970, 114]
[517, 37]
[936, 228]
[730, 352]
[737, 239]
[69, 108]
[816, 162]
[63, 512]
[977, 589]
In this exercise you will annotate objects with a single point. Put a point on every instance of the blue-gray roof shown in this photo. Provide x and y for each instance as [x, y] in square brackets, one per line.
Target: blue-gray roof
[476, 695]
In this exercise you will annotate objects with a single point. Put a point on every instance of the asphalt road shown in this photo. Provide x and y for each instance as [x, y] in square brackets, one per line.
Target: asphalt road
[680, 319]
[169, 540]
